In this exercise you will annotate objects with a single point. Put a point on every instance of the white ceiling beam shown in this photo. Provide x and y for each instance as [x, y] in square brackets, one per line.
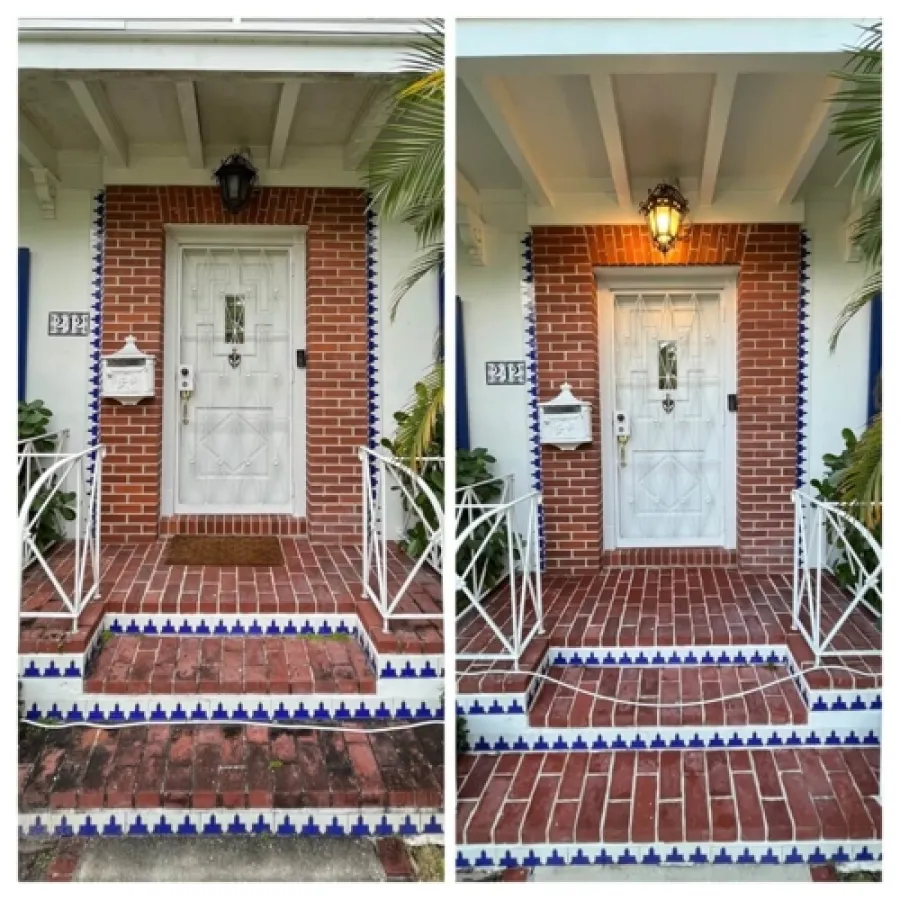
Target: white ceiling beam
[719, 113]
[608, 114]
[496, 105]
[92, 99]
[284, 118]
[35, 149]
[190, 122]
[372, 118]
[814, 139]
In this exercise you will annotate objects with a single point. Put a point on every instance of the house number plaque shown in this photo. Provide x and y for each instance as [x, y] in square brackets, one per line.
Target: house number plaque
[70, 324]
[505, 372]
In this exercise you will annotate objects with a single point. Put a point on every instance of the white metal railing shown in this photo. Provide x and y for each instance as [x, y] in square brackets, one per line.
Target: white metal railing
[821, 532]
[513, 624]
[35, 455]
[383, 474]
[468, 508]
[85, 470]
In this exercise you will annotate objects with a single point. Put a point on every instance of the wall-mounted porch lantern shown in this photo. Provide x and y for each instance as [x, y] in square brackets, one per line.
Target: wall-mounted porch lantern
[665, 210]
[236, 177]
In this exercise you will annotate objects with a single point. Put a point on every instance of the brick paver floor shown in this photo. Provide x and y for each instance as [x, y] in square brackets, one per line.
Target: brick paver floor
[669, 796]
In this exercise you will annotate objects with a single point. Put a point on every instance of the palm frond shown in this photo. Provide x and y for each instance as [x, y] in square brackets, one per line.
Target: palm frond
[404, 167]
[860, 484]
[859, 300]
[428, 260]
[865, 233]
[419, 430]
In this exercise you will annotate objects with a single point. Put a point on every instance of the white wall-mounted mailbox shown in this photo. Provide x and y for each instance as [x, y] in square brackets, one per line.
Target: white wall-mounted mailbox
[565, 421]
[128, 374]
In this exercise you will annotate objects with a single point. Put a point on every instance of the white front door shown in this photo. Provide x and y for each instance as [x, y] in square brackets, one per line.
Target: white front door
[671, 426]
[234, 432]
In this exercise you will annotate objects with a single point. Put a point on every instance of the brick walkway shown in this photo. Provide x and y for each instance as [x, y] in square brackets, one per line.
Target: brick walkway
[557, 706]
[665, 607]
[209, 766]
[315, 579]
[669, 796]
[230, 665]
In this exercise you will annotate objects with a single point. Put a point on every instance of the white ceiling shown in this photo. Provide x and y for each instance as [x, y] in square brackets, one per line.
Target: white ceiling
[232, 111]
[598, 131]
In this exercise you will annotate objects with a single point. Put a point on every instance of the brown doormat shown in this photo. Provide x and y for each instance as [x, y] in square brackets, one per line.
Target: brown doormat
[203, 550]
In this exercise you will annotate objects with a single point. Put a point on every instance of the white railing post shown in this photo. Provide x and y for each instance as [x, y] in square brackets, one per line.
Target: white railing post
[376, 520]
[52, 480]
[821, 529]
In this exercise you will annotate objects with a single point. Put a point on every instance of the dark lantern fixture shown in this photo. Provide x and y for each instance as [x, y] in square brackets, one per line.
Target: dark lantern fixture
[236, 177]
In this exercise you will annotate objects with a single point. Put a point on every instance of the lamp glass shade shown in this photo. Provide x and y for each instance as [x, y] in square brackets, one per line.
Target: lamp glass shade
[237, 177]
[665, 210]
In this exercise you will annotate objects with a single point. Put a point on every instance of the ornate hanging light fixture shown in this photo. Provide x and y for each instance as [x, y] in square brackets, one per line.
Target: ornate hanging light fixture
[665, 210]
[236, 177]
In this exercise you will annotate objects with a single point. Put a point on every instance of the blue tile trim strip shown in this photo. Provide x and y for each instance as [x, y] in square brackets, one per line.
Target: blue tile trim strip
[774, 853]
[641, 739]
[98, 233]
[232, 708]
[803, 360]
[529, 315]
[372, 328]
[326, 822]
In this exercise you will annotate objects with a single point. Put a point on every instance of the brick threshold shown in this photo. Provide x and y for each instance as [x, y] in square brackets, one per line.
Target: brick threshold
[233, 525]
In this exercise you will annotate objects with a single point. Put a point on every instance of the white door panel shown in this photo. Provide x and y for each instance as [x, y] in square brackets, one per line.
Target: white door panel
[668, 373]
[234, 431]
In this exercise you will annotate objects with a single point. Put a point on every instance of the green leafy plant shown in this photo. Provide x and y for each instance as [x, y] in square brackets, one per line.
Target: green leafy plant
[34, 422]
[473, 468]
[845, 569]
[462, 735]
[856, 123]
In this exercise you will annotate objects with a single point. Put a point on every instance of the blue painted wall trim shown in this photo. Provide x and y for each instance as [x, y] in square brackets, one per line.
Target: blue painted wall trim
[872, 406]
[462, 404]
[802, 360]
[24, 280]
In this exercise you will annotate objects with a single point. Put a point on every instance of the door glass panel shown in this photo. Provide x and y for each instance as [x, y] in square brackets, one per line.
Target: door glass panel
[668, 365]
[234, 319]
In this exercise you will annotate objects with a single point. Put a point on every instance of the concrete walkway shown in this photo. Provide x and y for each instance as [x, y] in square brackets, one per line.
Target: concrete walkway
[228, 859]
[671, 873]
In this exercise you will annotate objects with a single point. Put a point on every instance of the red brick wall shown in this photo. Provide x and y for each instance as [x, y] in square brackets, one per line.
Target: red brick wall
[768, 295]
[133, 303]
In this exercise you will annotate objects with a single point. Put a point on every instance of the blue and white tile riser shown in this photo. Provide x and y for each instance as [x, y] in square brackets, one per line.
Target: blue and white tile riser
[499, 722]
[407, 686]
[228, 708]
[424, 824]
[498, 735]
[500, 856]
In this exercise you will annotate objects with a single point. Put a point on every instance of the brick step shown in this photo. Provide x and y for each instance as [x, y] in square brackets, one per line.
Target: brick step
[228, 766]
[144, 664]
[271, 525]
[557, 706]
[865, 674]
[602, 804]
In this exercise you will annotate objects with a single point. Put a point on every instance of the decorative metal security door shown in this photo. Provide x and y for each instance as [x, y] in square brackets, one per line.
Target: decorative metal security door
[235, 376]
[670, 418]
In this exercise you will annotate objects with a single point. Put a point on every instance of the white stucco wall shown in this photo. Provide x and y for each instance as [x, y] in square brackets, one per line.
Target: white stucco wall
[838, 382]
[60, 280]
[494, 331]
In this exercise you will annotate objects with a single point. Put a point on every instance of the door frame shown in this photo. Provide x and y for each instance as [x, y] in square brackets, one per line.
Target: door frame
[610, 280]
[281, 237]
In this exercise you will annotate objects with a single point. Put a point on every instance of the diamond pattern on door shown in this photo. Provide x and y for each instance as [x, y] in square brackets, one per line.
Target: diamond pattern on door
[668, 381]
[234, 449]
